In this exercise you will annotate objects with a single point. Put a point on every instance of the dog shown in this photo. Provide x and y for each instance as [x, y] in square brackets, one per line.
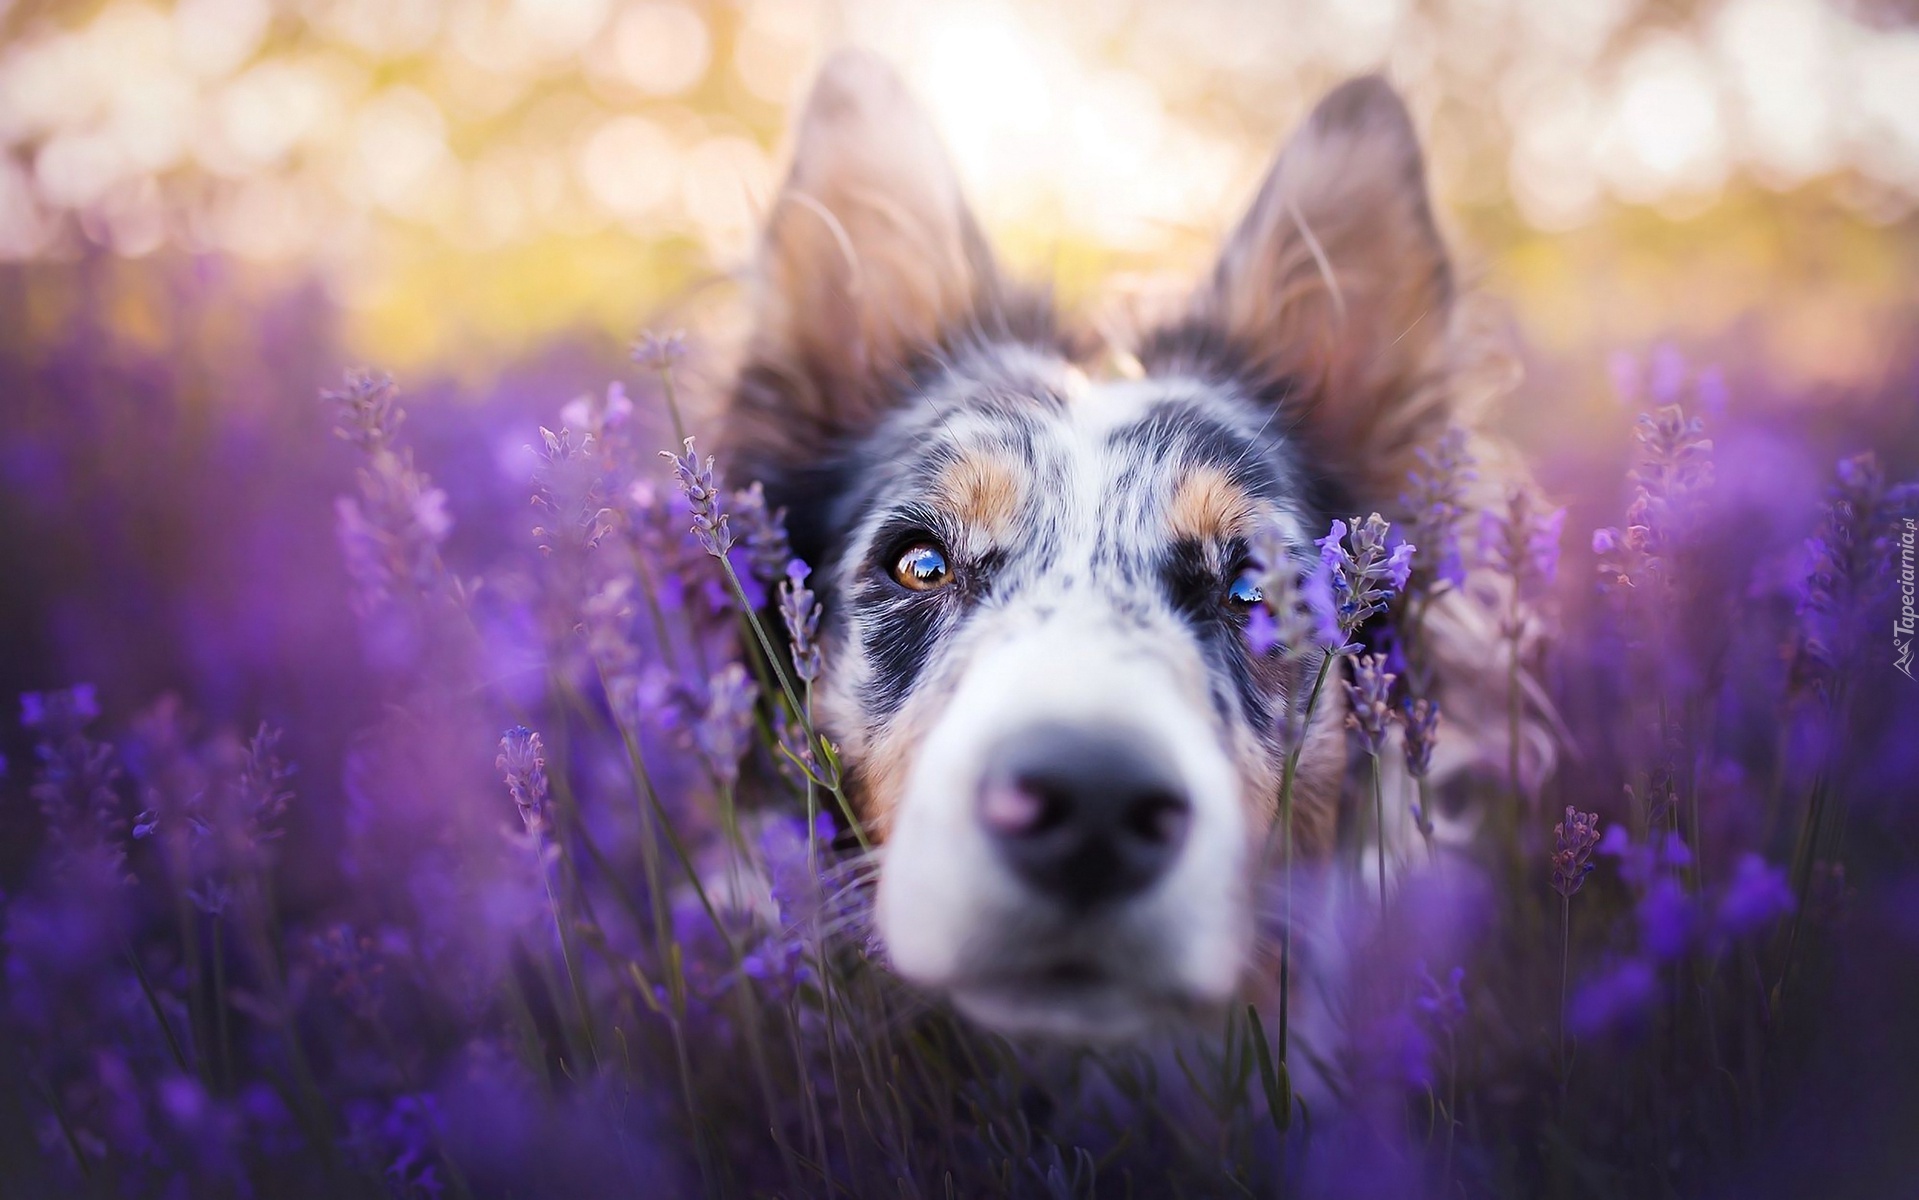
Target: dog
[1032, 546]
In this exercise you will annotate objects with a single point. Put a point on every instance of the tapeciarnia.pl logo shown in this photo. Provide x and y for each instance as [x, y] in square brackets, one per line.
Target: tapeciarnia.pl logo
[1902, 625]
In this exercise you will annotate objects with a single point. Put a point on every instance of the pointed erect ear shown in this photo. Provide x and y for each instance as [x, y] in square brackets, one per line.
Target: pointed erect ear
[1337, 282]
[869, 253]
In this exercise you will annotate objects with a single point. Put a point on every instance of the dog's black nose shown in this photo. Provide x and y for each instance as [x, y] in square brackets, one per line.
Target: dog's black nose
[1084, 816]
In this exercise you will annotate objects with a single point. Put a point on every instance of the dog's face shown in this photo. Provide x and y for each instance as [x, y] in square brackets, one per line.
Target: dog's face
[1035, 579]
[1042, 679]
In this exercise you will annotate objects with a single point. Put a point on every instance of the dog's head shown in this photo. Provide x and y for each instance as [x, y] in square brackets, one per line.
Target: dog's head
[1034, 568]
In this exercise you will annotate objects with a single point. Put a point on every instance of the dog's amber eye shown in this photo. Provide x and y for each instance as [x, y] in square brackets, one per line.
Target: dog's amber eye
[922, 567]
[1244, 591]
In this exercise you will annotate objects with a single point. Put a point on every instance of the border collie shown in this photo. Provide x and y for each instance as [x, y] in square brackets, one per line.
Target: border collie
[1031, 545]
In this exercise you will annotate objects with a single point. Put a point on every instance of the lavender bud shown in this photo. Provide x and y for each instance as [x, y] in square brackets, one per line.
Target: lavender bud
[1573, 842]
[1521, 542]
[1443, 1005]
[366, 408]
[764, 532]
[660, 351]
[698, 482]
[722, 732]
[1370, 694]
[1435, 496]
[1419, 722]
[1366, 568]
[801, 612]
[522, 762]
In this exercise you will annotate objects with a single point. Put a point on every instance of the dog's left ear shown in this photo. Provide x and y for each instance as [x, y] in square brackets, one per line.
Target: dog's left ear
[1337, 284]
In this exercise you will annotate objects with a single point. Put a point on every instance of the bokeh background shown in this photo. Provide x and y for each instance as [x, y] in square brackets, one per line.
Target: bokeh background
[467, 180]
[208, 209]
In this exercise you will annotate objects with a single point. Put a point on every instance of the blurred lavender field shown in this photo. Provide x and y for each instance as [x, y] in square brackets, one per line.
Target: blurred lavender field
[404, 804]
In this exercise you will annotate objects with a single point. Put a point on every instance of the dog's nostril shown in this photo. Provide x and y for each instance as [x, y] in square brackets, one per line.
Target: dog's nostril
[1084, 816]
[1015, 808]
[1159, 817]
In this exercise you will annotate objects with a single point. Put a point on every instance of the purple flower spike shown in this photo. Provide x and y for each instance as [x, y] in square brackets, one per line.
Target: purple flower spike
[1443, 1005]
[58, 714]
[1371, 696]
[1673, 468]
[1435, 496]
[1755, 896]
[1419, 721]
[1366, 568]
[764, 532]
[522, 762]
[700, 486]
[1521, 541]
[801, 612]
[1573, 842]
[660, 351]
[724, 730]
[1848, 565]
[367, 409]
[1295, 615]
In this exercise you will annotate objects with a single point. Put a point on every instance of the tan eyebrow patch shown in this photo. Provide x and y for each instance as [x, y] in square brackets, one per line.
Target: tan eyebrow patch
[983, 491]
[1208, 506]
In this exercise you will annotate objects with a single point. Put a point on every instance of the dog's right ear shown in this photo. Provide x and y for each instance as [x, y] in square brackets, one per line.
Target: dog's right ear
[869, 254]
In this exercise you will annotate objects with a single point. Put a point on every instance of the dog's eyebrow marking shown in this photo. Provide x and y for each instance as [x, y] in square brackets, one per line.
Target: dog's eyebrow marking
[983, 490]
[1207, 506]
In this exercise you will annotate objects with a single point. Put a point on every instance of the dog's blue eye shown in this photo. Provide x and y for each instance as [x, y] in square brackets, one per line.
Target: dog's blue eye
[1244, 592]
[922, 567]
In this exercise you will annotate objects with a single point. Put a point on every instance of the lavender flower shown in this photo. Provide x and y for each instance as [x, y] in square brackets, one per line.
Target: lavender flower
[764, 532]
[76, 787]
[568, 489]
[1573, 842]
[391, 533]
[1848, 560]
[1435, 496]
[801, 612]
[1442, 1005]
[352, 965]
[1613, 997]
[660, 351]
[522, 762]
[1366, 567]
[1667, 918]
[726, 727]
[1755, 897]
[1521, 541]
[701, 488]
[598, 415]
[1296, 613]
[367, 409]
[1419, 724]
[783, 846]
[60, 714]
[1370, 693]
[1641, 863]
[254, 815]
[1672, 469]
